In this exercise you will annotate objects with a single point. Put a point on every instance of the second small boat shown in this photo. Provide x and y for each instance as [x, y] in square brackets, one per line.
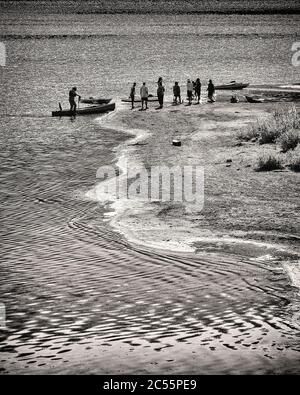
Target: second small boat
[232, 85]
[94, 100]
[138, 100]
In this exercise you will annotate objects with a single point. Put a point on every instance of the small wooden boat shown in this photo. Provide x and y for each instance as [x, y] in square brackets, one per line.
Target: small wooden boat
[233, 85]
[93, 100]
[138, 99]
[254, 99]
[101, 108]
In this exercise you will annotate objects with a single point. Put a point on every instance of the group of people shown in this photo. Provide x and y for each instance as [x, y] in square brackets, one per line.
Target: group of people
[193, 89]
[144, 93]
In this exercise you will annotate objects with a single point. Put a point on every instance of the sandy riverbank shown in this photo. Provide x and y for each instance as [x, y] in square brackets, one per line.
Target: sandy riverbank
[244, 212]
[239, 202]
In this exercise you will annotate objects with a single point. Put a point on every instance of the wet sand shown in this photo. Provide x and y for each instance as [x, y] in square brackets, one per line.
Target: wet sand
[239, 202]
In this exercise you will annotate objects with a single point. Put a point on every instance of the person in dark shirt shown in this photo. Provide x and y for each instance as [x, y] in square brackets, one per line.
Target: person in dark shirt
[72, 95]
[211, 92]
[160, 94]
[198, 90]
[176, 92]
[132, 94]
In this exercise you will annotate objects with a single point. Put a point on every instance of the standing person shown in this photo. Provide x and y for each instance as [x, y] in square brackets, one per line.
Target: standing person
[132, 94]
[144, 95]
[160, 94]
[211, 92]
[198, 90]
[176, 92]
[72, 95]
[189, 88]
[194, 85]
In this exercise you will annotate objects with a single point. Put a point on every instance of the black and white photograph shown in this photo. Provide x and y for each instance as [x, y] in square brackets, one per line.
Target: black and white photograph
[149, 189]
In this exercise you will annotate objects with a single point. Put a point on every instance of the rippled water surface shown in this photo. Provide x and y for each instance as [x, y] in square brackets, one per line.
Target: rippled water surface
[78, 298]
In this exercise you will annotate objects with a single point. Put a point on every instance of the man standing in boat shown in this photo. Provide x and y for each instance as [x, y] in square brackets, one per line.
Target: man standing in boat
[72, 95]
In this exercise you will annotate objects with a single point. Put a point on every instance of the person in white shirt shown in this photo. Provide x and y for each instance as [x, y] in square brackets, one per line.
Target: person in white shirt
[189, 88]
[144, 95]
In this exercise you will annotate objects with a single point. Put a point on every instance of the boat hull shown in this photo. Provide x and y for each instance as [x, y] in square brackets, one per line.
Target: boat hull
[86, 110]
[93, 100]
[231, 86]
[138, 100]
